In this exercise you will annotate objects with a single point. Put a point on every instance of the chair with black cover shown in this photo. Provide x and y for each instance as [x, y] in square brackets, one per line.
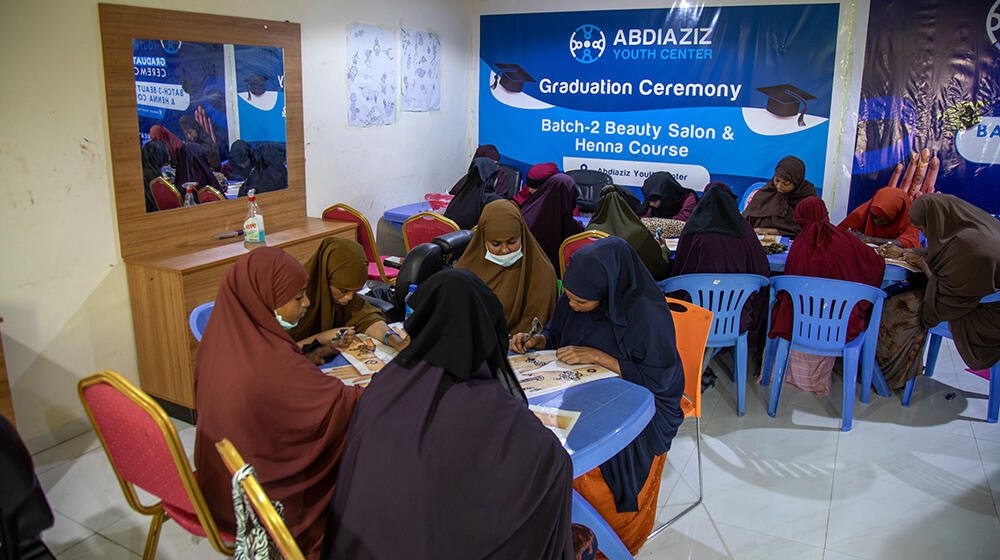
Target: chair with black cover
[24, 511]
[453, 244]
[512, 182]
[420, 263]
[590, 182]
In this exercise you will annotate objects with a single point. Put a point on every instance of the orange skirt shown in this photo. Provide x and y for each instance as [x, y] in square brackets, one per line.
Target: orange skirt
[631, 527]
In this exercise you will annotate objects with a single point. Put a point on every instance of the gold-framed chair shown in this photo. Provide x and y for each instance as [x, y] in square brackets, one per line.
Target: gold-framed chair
[366, 238]
[165, 194]
[574, 243]
[265, 511]
[145, 451]
[425, 226]
[208, 193]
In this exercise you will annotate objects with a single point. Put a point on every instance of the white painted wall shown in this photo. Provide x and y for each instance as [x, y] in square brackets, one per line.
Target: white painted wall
[63, 291]
[853, 27]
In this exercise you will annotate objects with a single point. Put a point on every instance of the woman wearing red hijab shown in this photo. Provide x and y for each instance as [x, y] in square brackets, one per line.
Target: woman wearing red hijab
[883, 219]
[536, 177]
[823, 251]
[253, 385]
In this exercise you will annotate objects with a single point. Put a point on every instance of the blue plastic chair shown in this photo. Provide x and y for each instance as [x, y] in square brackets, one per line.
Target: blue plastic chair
[199, 318]
[943, 330]
[724, 295]
[821, 309]
[748, 193]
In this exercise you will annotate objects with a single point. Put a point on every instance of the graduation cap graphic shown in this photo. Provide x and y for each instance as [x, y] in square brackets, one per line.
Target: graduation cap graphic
[784, 100]
[511, 77]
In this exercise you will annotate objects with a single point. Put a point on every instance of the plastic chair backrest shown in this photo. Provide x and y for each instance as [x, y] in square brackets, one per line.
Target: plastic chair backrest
[425, 226]
[262, 506]
[722, 294]
[366, 238]
[691, 327]
[199, 318]
[748, 194]
[208, 193]
[574, 243]
[144, 450]
[821, 308]
[166, 195]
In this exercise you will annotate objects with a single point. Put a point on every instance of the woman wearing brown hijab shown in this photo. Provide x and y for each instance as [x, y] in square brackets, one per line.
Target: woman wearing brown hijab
[254, 386]
[772, 209]
[962, 266]
[525, 284]
[336, 272]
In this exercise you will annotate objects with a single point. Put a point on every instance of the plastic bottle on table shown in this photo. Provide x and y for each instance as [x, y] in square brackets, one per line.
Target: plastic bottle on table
[189, 194]
[409, 310]
[253, 226]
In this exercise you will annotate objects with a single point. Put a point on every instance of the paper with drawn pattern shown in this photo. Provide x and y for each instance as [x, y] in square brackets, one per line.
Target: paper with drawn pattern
[420, 65]
[372, 76]
[539, 372]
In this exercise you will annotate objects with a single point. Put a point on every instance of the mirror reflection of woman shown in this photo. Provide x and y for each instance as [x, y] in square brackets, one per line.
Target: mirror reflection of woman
[336, 272]
[505, 256]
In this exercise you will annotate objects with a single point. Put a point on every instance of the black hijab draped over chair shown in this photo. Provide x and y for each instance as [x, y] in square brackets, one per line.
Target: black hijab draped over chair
[472, 193]
[443, 458]
[154, 156]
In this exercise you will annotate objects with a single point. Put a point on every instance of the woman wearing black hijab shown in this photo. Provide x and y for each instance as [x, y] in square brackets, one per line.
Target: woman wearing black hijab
[666, 198]
[613, 314]
[717, 240]
[473, 192]
[269, 172]
[154, 156]
[443, 458]
[772, 208]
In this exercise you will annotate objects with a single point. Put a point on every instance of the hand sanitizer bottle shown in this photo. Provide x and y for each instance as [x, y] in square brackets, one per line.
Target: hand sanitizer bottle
[253, 226]
[189, 194]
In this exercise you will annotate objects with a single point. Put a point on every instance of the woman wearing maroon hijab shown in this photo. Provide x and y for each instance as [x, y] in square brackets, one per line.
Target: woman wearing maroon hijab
[823, 251]
[549, 214]
[254, 386]
[717, 240]
[193, 167]
[536, 177]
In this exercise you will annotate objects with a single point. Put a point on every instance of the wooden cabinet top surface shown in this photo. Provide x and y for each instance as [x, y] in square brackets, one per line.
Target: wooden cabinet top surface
[181, 259]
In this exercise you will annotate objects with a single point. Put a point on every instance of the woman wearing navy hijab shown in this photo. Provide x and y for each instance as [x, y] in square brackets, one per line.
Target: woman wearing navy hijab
[612, 313]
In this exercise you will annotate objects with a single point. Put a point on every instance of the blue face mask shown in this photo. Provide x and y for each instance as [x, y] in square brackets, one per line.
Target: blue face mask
[284, 324]
[504, 260]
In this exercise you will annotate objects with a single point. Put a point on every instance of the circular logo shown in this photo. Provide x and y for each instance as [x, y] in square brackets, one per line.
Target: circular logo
[171, 46]
[586, 44]
[993, 24]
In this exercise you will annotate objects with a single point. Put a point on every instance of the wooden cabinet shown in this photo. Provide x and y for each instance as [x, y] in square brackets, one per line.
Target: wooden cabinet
[165, 288]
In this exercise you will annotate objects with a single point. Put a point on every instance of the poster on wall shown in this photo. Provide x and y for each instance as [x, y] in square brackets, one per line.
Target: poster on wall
[707, 93]
[931, 80]
[420, 66]
[371, 75]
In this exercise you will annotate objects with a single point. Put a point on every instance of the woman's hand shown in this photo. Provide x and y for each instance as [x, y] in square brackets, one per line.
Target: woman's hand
[520, 343]
[322, 355]
[891, 251]
[585, 355]
[346, 338]
[766, 231]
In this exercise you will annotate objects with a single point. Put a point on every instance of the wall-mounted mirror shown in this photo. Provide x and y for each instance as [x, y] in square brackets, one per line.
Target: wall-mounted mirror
[211, 121]
[223, 95]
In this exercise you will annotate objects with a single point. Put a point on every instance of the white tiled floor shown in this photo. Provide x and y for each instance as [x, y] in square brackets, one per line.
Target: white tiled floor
[922, 482]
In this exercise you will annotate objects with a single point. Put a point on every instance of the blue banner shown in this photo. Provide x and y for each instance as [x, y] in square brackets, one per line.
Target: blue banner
[931, 77]
[710, 93]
